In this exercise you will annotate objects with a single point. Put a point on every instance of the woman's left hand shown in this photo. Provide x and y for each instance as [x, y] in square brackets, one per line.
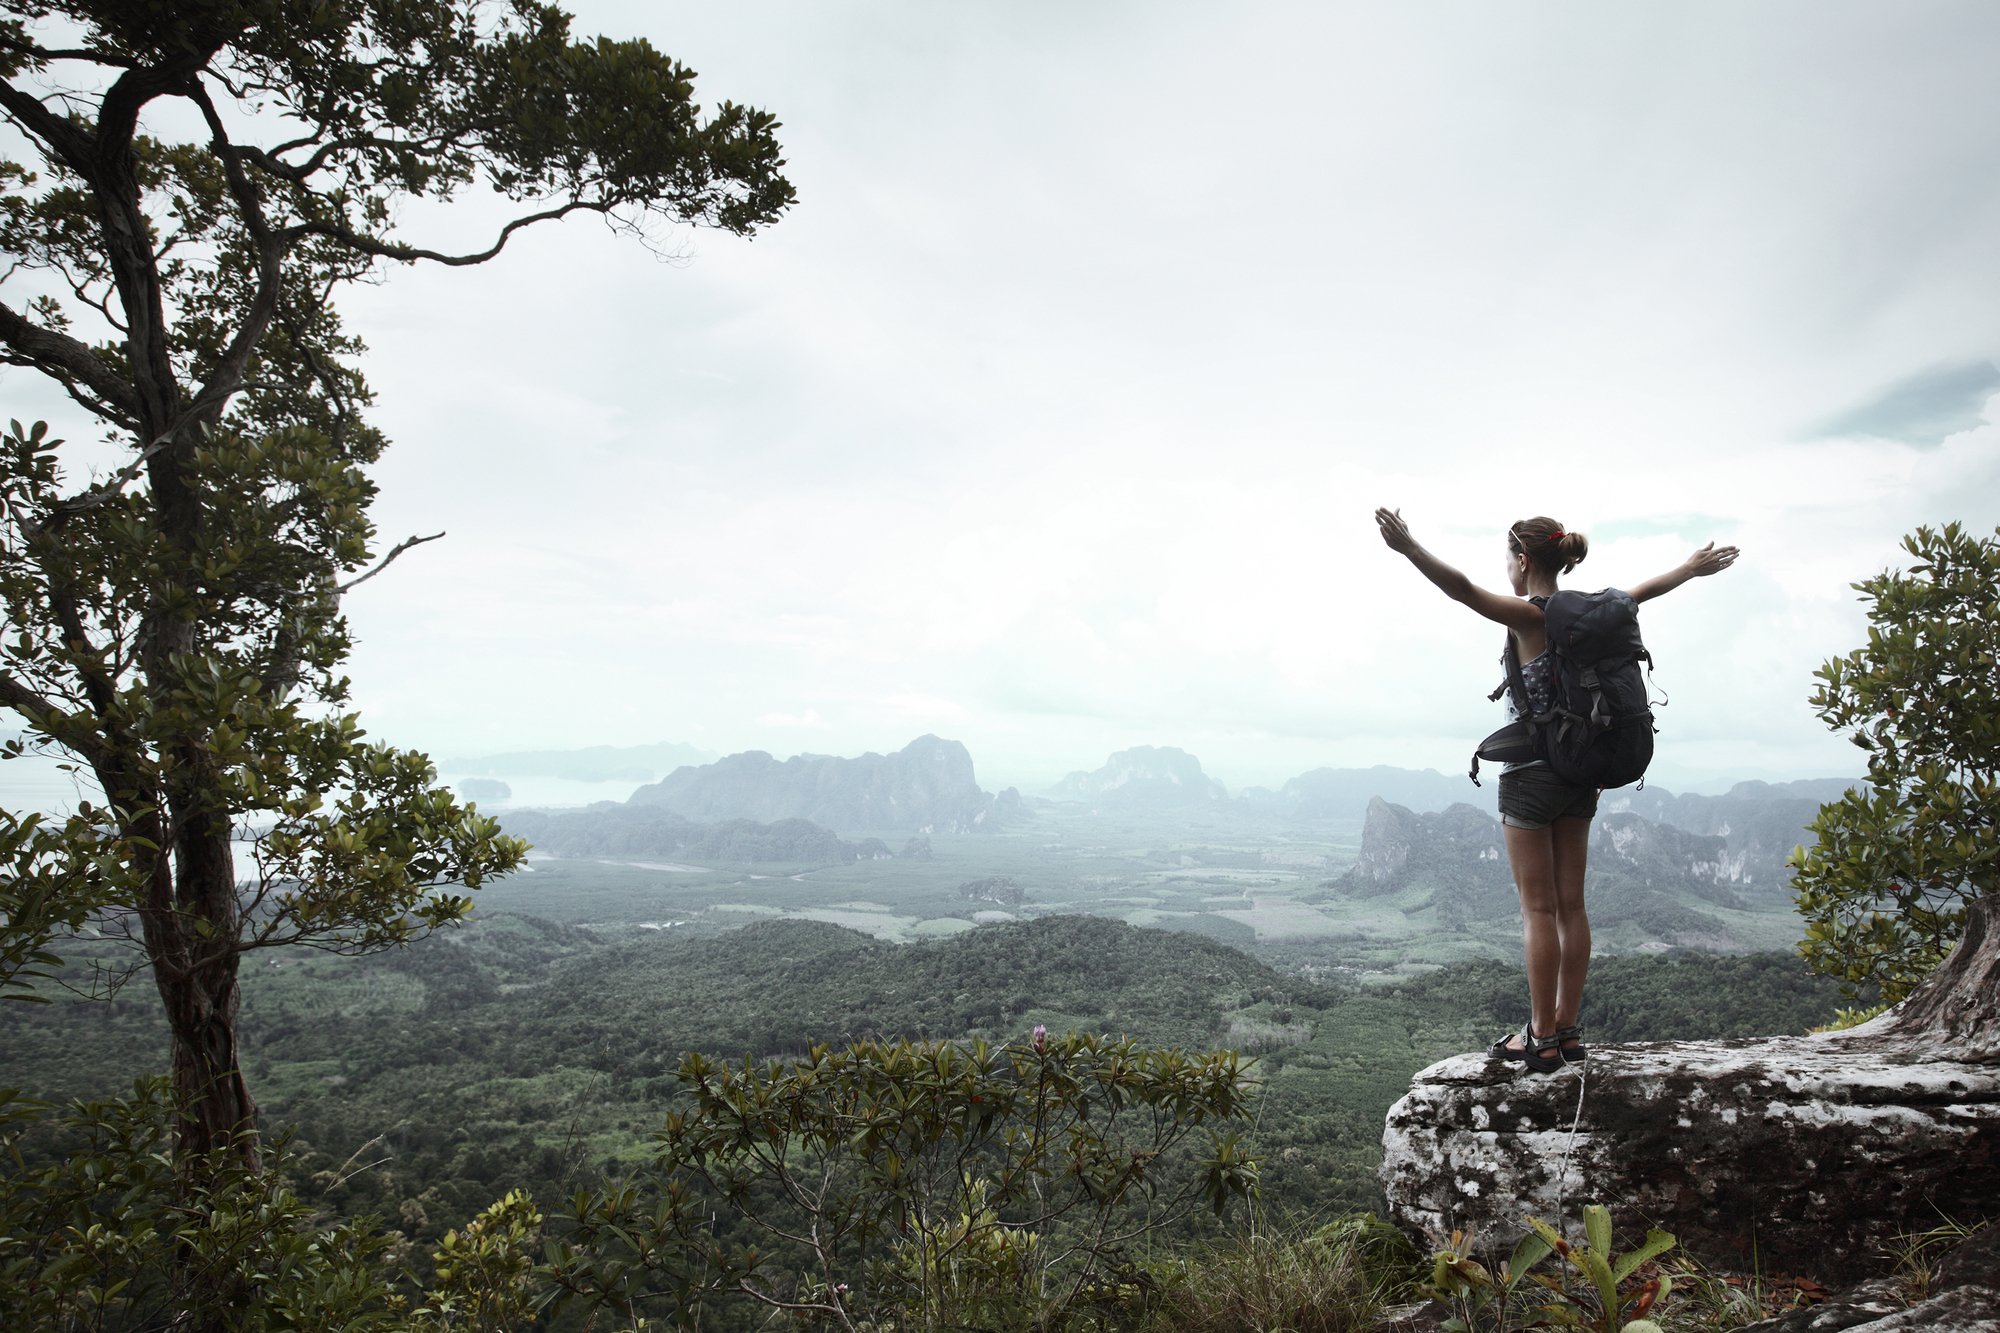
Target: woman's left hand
[1711, 559]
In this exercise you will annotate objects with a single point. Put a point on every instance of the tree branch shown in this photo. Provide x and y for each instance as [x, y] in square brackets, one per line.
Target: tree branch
[298, 173]
[46, 53]
[369, 245]
[234, 362]
[70, 362]
[105, 491]
[68, 140]
[399, 548]
[49, 718]
[89, 660]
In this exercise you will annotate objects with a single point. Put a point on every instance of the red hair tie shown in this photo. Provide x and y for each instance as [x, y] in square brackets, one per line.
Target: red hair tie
[1555, 536]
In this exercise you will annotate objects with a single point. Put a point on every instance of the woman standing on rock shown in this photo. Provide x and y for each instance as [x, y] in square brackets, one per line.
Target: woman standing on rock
[1545, 820]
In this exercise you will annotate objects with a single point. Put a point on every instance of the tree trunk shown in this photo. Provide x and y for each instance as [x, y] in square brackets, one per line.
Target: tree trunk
[193, 948]
[1955, 1013]
[191, 922]
[217, 1110]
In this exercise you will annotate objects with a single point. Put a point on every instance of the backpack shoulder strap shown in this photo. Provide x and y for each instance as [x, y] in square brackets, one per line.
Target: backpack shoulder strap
[1515, 681]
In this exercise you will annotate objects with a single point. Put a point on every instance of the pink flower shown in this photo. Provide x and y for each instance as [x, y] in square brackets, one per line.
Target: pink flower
[1041, 1035]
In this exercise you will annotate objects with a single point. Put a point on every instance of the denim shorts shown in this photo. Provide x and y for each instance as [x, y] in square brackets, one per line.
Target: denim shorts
[1534, 797]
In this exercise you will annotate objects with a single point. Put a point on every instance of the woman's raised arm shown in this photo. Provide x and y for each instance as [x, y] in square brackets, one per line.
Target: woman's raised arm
[1512, 612]
[1710, 559]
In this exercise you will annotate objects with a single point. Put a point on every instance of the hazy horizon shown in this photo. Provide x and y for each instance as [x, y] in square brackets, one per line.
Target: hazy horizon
[37, 782]
[1036, 781]
[1053, 418]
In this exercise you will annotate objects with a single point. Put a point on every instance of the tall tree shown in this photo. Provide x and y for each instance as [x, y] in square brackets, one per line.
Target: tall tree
[175, 624]
[1885, 888]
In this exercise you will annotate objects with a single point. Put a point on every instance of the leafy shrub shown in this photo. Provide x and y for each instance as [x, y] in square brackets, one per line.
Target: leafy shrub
[915, 1184]
[1884, 889]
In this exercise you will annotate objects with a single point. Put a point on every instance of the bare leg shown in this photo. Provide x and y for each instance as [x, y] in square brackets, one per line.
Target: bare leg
[1570, 843]
[1531, 853]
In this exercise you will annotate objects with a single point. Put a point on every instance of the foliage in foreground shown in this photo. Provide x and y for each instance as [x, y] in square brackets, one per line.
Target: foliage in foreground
[108, 1238]
[1612, 1295]
[908, 1185]
[917, 1184]
[1884, 889]
[1329, 1279]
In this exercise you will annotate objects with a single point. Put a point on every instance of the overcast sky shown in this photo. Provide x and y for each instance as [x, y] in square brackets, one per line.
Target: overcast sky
[1053, 417]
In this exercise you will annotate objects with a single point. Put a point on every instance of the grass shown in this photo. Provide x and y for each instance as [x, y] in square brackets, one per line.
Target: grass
[1916, 1255]
[1706, 1301]
[1331, 1279]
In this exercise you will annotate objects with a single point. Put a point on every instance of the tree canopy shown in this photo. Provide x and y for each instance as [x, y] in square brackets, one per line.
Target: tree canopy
[1884, 889]
[200, 182]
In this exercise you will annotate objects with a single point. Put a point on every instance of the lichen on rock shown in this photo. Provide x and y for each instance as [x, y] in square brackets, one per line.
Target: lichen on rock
[1800, 1153]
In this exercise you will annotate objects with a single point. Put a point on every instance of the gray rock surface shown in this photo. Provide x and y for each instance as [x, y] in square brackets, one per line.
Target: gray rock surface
[1801, 1154]
[1459, 845]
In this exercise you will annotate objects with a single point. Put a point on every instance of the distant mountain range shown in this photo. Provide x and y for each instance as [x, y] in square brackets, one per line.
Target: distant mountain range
[1144, 777]
[1648, 872]
[1344, 793]
[926, 787]
[1454, 855]
[1758, 823]
[1741, 838]
[1165, 778]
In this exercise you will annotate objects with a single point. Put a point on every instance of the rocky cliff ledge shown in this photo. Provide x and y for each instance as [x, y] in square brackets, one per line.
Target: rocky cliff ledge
[1800, 1154]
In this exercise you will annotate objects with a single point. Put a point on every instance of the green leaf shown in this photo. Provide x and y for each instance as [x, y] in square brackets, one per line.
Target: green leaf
[1657, 1243]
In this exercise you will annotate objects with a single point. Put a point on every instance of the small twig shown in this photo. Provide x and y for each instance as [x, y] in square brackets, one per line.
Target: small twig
[105, 491]
[354, 1166]
[399, 548]
[1562, 1172]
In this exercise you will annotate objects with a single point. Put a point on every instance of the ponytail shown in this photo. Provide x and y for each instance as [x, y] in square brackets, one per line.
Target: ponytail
[1547, 545]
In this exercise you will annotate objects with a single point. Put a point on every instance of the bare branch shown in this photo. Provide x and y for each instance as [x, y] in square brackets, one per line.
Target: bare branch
[779, 1303]
[399, 548]
[105, 491]
[367, 244]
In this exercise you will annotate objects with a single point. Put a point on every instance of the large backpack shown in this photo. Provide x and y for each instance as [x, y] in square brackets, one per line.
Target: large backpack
[1598, 731]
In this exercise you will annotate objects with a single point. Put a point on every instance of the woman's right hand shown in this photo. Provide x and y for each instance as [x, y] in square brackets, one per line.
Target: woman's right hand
[1396, 533]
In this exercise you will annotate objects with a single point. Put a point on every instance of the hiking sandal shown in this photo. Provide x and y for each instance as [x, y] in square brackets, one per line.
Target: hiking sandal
[1572, 1054]
[1543, 1054]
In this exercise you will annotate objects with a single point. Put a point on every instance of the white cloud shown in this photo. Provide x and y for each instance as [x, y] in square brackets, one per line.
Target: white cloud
[810, 718]
[1054, 416]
